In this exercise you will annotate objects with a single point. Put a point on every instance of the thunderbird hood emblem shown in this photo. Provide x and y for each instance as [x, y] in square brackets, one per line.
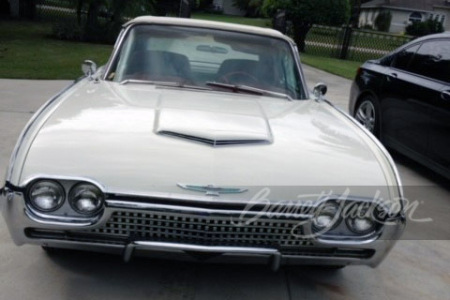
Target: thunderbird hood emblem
[211, 190]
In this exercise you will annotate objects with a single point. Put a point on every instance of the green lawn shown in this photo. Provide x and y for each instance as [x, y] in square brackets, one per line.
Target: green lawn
[26, 51]
[343, 68]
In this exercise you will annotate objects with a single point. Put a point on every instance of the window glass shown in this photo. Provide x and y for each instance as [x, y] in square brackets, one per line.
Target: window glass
[433, 60]
[404, 57]
[415, 17]
[197, 56]
[387, 60]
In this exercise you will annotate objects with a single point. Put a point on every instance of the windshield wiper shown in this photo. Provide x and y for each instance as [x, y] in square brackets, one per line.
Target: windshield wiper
[163, 83]
[248, 89]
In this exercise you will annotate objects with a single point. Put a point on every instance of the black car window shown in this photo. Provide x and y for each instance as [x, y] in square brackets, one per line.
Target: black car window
[403, 58]
[387, 60]
[433, 60]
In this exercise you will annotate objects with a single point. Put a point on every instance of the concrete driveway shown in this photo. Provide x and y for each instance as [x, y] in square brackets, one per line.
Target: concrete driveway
[415, 269]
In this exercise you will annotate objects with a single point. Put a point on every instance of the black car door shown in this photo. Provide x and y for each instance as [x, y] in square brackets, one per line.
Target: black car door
[405, 105]
[433, 62]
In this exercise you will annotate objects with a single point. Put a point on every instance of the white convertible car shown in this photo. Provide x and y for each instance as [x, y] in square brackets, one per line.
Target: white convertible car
[199, 140]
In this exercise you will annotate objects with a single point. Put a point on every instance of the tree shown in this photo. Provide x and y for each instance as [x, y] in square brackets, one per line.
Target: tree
[101, 20]
[116, 10]
[28, 9]
[203, 4]
[383, 21]
[172, 7]
[356, 11]
[252, 8]
[305, 13]
[4, 8]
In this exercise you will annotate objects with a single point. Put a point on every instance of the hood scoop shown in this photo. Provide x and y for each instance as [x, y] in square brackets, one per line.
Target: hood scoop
[213, 128]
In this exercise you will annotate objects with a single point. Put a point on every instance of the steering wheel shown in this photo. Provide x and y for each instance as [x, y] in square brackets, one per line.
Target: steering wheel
[238, 77]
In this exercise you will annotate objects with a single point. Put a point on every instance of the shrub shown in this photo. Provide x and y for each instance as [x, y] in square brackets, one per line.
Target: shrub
[367, 27]
[102, 34]
[105, 33]
[252, 8]
[214, 9]
[67, 30]
[424, 28]
[305, 13]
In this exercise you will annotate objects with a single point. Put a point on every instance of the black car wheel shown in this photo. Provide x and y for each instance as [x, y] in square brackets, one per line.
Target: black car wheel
[366, 113]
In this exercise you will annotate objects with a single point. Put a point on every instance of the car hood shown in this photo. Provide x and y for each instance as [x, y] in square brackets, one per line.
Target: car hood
[143, 138]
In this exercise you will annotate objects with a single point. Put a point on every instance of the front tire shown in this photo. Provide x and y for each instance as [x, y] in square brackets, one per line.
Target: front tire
[367, 114]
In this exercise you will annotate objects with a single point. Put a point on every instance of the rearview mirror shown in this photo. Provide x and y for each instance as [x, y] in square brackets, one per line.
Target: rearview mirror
[89, 68]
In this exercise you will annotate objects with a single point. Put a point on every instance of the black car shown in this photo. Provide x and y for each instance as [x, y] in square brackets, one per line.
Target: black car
[404, 100]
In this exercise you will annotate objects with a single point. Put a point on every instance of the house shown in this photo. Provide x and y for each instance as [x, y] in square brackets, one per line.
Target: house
[228, 8]
[406, 11]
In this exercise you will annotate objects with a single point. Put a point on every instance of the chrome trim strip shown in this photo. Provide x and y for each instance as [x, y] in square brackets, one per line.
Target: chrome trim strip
[299, 67]
[215, 143]
[348, 242]
[214, 200]
[66, 178]
[117, 204]
[273, 253]
[117, 46]
[59, 221]
[172, 196]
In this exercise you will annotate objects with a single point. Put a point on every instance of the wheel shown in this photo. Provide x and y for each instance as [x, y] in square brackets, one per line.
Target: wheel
[367, 113]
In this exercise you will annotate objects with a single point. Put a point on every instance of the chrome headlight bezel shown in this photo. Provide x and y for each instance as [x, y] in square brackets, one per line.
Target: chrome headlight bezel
[352, 227]
[327, 209]
[84, 192]
[57, 189]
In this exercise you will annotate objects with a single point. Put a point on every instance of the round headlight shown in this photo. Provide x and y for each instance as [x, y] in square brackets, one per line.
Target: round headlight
[46, 195]
[326, 217]
[86, 198]
[361, 225]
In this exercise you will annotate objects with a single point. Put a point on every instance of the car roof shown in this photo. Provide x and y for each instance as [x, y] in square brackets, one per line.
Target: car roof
[433, 36]
[208, 24]
[426, 38]
[445, 35]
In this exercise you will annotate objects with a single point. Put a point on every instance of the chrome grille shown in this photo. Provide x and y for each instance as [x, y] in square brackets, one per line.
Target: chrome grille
[201, 230]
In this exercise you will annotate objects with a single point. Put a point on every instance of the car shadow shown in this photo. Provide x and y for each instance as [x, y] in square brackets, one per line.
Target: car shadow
[106, 276]
[420, 169]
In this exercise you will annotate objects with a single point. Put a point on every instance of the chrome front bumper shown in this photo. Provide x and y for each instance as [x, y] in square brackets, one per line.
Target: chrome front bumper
[57, 233]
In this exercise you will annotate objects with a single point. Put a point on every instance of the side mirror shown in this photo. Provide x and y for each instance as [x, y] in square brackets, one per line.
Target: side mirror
[89, 68]
[320, 90]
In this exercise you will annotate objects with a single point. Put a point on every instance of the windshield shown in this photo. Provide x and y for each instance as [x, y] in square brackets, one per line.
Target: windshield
[198, 57]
